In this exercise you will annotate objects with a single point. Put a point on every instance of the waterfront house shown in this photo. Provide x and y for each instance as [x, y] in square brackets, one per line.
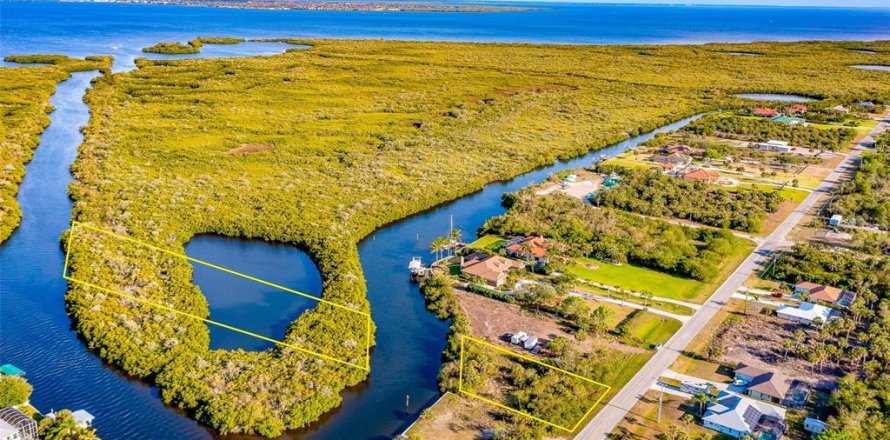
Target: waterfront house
[763, 384]
[685, 149]
[739, 416]
[774, 145]
[529, 248]
[826, 294]
[796, 109]
[16, 425]
[806, 313]
[840, 109]
[765, 112]
[701, 175]
[492, 269]
[790, 120]
[673, 159]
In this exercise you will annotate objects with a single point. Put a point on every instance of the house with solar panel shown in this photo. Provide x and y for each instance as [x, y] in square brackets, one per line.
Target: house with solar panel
[739, 416]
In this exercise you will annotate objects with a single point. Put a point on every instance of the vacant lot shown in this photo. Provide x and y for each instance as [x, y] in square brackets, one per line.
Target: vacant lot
[758, 340]
[652, 329]
[495, 321]
[641, 422]
[637, 279]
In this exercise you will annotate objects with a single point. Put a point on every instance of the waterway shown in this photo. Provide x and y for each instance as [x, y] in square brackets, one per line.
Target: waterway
[775, 97]
[871, 67]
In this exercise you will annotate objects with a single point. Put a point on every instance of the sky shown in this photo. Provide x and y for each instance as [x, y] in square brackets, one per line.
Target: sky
[847, 3]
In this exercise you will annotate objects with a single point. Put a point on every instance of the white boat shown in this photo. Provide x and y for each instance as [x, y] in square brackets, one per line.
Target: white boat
[415, 266]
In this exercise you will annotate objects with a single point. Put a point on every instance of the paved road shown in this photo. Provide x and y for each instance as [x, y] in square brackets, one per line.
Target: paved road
[604, 422]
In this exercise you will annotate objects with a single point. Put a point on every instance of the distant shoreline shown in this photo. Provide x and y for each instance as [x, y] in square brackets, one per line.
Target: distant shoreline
[364, 6]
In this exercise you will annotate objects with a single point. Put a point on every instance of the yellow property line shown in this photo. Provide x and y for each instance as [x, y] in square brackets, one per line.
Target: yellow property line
[463, 338]
[65, 276]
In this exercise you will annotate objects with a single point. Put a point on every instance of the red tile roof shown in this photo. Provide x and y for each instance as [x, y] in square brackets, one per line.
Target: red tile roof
[701, 175]
[763, 111]
[536, 245]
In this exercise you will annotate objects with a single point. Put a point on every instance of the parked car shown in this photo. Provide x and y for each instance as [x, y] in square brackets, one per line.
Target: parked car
[778, 295]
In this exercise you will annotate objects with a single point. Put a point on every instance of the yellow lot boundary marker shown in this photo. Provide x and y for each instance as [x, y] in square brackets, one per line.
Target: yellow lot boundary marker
[460, 383]
[75, 224]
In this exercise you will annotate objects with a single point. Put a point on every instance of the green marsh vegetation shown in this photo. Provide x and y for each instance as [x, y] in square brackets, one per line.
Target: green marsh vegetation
[362, 133]
[193, 46]
[25, 105]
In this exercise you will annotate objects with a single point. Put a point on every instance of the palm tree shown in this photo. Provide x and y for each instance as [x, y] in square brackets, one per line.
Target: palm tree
[687, 419]
[437, 245]
[701, 399]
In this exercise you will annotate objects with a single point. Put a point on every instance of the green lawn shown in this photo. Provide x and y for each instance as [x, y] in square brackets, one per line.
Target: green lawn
[638, 279]
[653, 329]
[788, 193]
[488, 242]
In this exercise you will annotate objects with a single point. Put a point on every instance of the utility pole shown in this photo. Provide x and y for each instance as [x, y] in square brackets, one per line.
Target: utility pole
[660, 397]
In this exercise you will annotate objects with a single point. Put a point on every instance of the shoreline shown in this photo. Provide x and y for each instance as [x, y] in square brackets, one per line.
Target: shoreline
[351, 6]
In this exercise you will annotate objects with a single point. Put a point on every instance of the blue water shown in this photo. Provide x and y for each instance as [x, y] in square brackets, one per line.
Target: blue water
[247, 304]
[123, 29]
[35, 332]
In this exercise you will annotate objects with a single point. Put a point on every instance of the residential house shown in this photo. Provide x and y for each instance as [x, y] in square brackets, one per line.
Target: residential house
[529, 248]
[796, 109]
[83, 418]
[492, 269]
[673, 159]
[16, 425]
[773, 145]
[685, 149]
[806, 313]
[765, 112]
[701, 175]
[840, 109]
[826, 294]
[790, 120]
[739, 416]
[763, 384]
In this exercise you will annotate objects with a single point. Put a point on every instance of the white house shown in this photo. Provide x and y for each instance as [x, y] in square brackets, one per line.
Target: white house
[805, 313]
[738, 416]
[773, 145]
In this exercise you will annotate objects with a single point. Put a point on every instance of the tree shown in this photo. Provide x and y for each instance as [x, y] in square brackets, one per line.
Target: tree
[14, 391]
[438, 244]
[572, 308]
[64, 427]
[701, 399]
[687, 419]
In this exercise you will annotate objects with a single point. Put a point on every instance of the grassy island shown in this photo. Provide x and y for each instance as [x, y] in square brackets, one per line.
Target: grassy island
[355, 134]
[193, 46]
[24, 102]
